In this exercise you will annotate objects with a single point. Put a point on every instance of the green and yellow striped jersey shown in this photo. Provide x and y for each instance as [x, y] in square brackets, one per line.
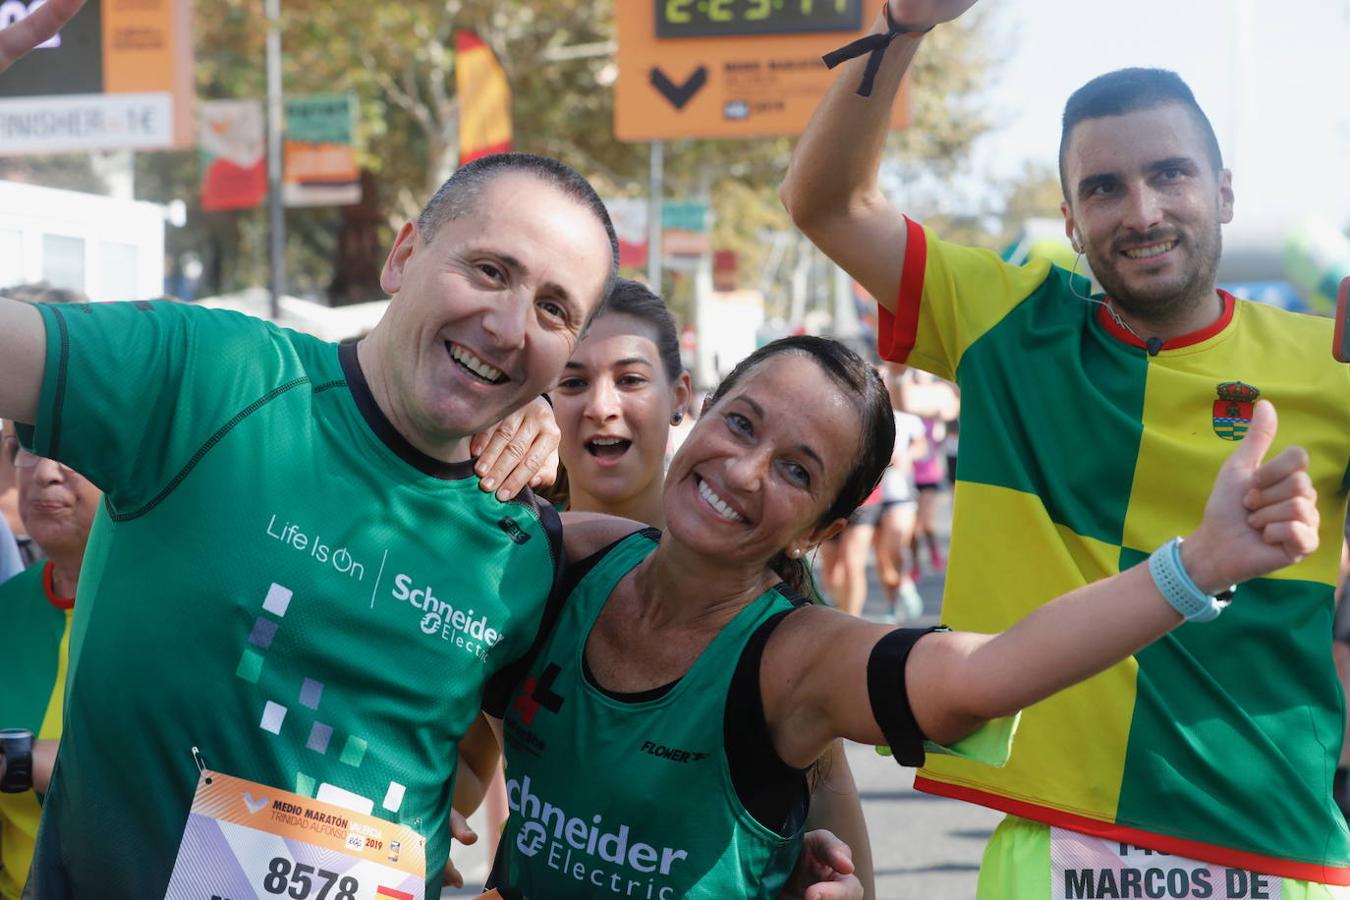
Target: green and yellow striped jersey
[1080, 454]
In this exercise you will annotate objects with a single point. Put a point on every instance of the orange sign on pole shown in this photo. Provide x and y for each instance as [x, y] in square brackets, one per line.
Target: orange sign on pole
[119, 74]
[728, 68]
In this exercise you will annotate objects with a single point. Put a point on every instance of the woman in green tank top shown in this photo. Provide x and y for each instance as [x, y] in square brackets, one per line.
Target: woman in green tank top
[639, 756]
[619, 397]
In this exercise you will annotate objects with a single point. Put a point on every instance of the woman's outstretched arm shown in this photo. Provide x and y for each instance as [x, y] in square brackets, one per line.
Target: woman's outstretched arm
[821, 669]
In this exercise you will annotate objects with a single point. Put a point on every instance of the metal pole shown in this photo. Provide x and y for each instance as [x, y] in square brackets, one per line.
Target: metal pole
[847, 326]
[706, 365]
[801, 273]
[655, 191]
[276, 213]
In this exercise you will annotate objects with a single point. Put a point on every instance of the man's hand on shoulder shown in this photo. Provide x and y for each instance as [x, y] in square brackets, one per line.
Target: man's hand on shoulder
[35, 28]
[520, 450]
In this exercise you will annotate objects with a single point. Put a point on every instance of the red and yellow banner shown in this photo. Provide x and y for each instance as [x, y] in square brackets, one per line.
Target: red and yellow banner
[484, 99]
[234, 165]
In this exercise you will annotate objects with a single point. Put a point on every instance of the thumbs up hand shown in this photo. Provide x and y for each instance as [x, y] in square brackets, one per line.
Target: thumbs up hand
[1261, 516]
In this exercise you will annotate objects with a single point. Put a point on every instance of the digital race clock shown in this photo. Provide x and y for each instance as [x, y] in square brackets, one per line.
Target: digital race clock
[717, 18]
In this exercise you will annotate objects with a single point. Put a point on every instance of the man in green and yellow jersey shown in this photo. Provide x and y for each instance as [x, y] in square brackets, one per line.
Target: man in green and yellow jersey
[1090, 428]
[57, 505]
[295, 591]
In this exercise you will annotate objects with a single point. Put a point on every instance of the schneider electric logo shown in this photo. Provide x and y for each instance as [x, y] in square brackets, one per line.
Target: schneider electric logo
[591, 850]
[441, 619]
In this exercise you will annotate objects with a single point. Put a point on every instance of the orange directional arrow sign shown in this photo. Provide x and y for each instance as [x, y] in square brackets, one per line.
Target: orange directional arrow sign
[679, 94]
[728, 68]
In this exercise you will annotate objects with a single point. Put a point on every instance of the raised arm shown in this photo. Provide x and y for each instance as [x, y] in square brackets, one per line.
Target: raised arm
[831, 188]
[1260, 517]
[23, 352]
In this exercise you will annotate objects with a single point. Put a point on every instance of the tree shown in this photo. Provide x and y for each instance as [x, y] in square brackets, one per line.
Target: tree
[399, 60]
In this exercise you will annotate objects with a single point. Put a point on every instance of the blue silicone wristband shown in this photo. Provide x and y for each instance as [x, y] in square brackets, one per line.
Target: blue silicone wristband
[1179, 590]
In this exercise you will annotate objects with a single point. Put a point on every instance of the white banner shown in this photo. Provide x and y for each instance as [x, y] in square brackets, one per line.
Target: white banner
[57, 124]
[1083, 867]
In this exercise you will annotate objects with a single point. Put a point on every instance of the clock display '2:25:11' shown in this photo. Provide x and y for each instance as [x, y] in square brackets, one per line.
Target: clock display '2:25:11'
[719, 18]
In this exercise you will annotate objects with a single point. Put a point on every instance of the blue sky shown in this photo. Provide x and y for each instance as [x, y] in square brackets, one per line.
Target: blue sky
[1274, 78]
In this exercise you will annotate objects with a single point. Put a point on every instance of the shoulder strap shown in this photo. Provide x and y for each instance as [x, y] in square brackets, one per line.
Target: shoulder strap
[774, 793]
[598, 572]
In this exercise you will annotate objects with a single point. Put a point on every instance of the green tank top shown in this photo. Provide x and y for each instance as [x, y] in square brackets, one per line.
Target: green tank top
[631, 798]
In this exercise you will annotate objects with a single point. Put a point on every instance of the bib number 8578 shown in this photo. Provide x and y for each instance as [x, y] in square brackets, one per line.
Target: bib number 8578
[299, 882]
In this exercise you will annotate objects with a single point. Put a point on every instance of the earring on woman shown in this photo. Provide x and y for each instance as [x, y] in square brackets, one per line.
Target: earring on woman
[677, 417]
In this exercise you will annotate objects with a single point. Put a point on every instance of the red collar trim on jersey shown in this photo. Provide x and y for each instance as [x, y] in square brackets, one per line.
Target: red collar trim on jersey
[1114, 329]
[50, 589]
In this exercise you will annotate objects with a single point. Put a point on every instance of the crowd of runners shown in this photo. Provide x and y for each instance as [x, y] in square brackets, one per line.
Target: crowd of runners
[286, 611]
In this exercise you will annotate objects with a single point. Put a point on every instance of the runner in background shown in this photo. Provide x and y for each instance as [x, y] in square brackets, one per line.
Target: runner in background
[899, 507]
[936, 402]
[843, 558]
[951, 444]
[57, 505]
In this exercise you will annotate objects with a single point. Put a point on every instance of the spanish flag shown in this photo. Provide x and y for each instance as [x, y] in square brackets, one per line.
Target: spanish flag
[484, 99]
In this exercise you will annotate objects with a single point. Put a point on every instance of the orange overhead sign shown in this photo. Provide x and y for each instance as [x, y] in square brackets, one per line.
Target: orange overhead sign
[119, 74]
[728, 68]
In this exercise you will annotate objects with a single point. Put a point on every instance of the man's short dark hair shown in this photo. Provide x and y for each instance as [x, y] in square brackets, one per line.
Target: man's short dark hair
[1126, 91]
[459, 195]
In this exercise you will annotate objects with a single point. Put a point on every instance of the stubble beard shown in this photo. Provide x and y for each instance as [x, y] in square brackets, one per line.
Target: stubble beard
[1167, 302]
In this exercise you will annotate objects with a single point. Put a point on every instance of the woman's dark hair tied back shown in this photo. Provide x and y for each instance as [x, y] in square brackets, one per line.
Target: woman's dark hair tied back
[633, 298]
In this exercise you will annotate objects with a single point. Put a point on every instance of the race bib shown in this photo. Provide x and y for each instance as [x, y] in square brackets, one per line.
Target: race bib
[1090, 868]
[247, 841]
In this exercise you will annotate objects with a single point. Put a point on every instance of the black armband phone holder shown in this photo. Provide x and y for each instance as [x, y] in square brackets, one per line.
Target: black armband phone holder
[887, 693]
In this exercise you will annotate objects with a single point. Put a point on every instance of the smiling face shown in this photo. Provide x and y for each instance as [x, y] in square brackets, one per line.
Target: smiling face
[763, 465]
[486, 311]
[614, 404]
[1147, 203]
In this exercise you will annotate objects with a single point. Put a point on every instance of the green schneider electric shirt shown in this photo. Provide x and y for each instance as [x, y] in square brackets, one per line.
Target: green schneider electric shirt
[632, 798]
[276, 578]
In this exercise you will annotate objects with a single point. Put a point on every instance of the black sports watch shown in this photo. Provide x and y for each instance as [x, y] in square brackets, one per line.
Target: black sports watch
[16, 745]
